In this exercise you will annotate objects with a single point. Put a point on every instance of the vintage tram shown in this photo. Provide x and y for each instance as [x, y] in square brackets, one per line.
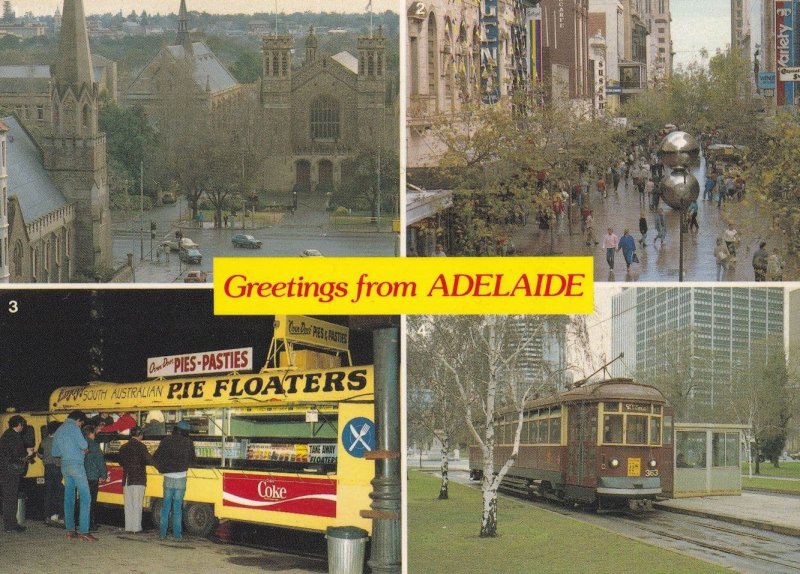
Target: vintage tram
[604, 444]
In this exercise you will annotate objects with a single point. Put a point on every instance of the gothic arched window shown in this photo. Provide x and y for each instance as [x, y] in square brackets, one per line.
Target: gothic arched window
[18, 259]
[325, 119]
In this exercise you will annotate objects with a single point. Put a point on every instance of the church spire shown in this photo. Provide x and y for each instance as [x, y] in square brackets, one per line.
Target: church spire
[73, 67]
[183, 26]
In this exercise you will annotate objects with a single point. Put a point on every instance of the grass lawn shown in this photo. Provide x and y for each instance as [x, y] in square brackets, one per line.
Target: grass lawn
[443, 538]
[786, 469]
[771, 484]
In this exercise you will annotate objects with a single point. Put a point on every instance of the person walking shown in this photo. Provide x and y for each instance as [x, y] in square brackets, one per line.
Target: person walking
[760, 262]
[610, 244]
[643, 229]
[13, 465]
[708, 191]
[173, 458]
[71, 447]
[692, 213]
[53, 488]
[722, 255]
[721, 190]
[589, 229]
[134, 459]
[661, 228]
[96, 470]
[628, 247]
[731, 238]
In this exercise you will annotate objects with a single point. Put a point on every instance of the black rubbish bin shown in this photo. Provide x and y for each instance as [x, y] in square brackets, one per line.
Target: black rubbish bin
[346, 548]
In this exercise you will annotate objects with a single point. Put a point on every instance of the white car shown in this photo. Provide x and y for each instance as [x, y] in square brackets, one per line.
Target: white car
[186, 243]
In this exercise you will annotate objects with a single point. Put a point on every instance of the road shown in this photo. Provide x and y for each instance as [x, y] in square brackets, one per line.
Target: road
[308, 228]
[622, 210]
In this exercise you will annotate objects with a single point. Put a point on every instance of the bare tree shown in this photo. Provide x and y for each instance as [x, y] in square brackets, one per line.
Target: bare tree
[480, 357]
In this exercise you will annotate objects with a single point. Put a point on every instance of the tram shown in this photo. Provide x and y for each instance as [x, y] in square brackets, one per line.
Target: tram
[605, 444]
[285, 446]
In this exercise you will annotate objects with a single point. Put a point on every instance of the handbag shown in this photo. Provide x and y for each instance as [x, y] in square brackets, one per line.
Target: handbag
[635, 258]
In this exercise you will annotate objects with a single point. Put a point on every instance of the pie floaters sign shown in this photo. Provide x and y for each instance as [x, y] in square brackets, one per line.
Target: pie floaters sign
[387, 285]
[272, 386]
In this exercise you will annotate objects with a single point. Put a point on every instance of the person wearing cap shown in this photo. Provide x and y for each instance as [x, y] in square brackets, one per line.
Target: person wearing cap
[173, 457]
[134, 458]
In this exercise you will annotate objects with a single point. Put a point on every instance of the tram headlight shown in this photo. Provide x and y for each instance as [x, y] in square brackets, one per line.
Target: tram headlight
[613, 463]
[653, 463]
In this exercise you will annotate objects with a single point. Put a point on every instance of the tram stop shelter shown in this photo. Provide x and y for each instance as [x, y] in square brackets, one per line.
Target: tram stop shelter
[708, 459]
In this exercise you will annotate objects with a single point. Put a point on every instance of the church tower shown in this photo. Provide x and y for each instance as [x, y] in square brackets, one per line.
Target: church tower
[276, 85]
[75, 151]
[312, 46]
[372, 87]
[184, 38]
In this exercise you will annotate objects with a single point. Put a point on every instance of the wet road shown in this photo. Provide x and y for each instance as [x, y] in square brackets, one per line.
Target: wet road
[308, 228]
[622, 210]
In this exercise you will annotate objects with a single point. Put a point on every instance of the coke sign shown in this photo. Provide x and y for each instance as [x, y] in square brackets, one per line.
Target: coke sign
[294, 495]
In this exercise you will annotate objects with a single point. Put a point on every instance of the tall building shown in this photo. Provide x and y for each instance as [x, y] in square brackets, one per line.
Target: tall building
[607, 19]
[657, 18]
[703, 334]
[544, 355]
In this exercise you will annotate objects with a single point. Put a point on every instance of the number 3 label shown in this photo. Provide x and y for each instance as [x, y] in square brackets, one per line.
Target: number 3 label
[12, 306]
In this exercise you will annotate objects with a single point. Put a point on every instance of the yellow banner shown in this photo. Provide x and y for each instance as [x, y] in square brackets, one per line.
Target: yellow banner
[393, 286]
[241, 390]
[313, 332]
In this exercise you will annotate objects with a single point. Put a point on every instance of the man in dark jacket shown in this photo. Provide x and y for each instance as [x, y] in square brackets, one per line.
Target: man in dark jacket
[173, 458]
[13, 465]
[134, 458]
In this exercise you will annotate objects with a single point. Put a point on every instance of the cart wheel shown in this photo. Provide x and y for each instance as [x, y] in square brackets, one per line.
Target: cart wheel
[199, 519]
[155, 511]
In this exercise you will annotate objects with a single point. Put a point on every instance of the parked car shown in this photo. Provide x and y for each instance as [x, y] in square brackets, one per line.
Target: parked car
[242, 240]
[195, 276]
[167, 198]
[312, 253]
[190, 256]
[172, 244]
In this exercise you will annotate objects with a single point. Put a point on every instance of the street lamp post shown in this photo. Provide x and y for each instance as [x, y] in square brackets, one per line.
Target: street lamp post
[679, 150]
[141, 211]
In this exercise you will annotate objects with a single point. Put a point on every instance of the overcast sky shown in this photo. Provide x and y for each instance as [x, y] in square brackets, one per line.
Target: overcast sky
[40, 7]
[706, 24]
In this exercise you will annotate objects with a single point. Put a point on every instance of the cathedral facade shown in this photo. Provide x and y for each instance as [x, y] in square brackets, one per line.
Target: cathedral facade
[58, 217]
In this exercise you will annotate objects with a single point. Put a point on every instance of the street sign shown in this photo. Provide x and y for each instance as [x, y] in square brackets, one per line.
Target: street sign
[766, 80]
[790, 74]
[613, 90]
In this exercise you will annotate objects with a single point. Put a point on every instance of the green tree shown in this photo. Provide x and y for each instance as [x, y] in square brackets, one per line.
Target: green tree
[130, 139]
[247, 68]
[369, 178]
[9, 16]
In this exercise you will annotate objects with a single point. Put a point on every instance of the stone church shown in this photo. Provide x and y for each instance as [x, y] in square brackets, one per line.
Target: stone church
[306, 120]
[324, 112]
[58, 221]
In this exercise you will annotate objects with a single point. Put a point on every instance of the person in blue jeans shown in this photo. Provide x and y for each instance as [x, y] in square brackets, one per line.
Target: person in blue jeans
[173, 457]
[70, 446]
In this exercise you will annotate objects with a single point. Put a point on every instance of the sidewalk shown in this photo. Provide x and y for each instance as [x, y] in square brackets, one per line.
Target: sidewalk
[770, 512]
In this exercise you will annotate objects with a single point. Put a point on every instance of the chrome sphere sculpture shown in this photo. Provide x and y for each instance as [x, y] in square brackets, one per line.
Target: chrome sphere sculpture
[679, 149]
[680, 188]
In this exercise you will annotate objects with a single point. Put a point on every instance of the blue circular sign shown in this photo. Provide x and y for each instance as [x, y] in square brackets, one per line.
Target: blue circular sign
[358, 436]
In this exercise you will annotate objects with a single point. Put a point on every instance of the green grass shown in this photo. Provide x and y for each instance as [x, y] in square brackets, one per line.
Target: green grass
[443, 537]
[785, 470]
[771, 484]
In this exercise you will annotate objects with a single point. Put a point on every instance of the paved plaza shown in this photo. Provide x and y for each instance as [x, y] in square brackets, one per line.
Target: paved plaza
[621, 211]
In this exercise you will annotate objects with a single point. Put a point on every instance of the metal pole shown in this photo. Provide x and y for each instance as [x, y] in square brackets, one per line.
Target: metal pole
[680, 248]
[141, 211]
[386, 496]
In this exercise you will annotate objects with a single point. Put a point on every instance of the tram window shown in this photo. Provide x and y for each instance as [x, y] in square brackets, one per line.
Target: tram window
[655, 430]
[657, 409]
[667, 430]
[611, 407]
[636, 432]
[555, 430]
[612, 429]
